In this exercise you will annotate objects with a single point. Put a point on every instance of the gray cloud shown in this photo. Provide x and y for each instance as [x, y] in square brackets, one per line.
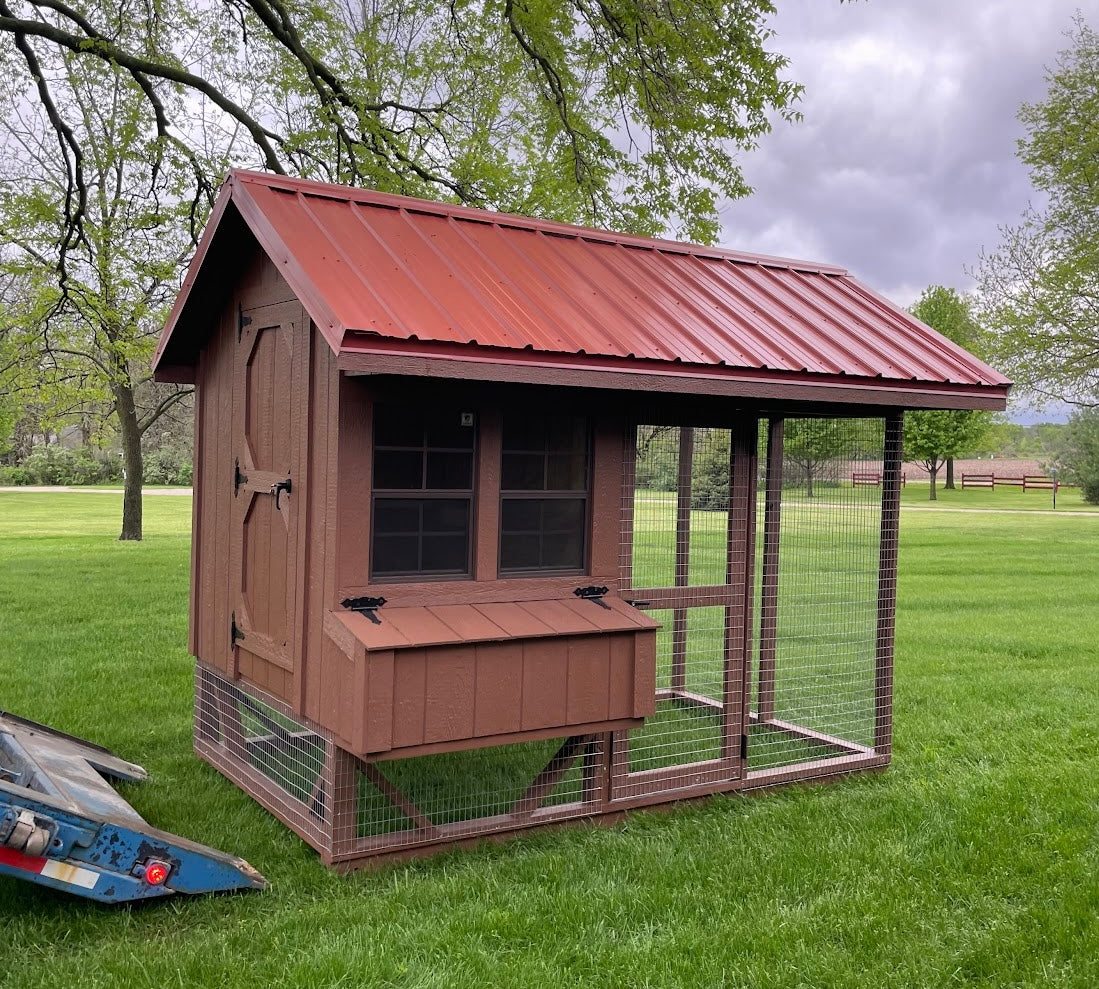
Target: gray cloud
[904, 165]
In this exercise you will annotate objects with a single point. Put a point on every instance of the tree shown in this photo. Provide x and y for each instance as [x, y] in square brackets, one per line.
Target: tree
[82, 325]
[1080, 456]
[1040, 288]
[933, 435]
[615, 113]
[816, 446]
[951, 314]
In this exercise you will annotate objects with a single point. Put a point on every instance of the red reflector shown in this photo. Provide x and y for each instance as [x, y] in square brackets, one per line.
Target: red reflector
[156, 873]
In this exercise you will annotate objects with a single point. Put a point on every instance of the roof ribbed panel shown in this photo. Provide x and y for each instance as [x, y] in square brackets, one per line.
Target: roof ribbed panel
[365, 263]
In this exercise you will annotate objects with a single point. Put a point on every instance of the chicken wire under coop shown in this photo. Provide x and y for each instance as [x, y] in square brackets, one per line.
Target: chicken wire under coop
[773, 578]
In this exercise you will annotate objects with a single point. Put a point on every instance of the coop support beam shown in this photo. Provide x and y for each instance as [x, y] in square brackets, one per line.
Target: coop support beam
[682, 554]
[768, 610]
[739, 546]
[887, 584]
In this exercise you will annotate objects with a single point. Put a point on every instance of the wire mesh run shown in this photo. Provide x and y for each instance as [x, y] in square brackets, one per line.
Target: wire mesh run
[795, 632]
[818, 552]
[349, 808]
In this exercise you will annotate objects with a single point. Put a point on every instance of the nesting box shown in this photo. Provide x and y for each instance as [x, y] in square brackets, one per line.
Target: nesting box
[469, 483]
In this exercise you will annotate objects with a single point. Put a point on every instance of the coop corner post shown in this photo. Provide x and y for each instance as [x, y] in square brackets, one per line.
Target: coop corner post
[887, 584]
[740, 544]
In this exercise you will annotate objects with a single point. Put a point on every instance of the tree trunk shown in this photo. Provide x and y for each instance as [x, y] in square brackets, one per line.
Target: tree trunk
[949, 485]
[933, 474]
[809, 482]
[131, 461]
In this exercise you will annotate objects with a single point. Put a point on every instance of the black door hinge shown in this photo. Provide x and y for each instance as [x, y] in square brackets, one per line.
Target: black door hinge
[242, 322]
[238, 478]
[743, 746]
[367, 607]
[593, 594]
[235, 632]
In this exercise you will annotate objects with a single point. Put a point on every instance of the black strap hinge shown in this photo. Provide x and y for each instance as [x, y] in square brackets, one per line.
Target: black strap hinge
[367, 607]
[242, 322]
[743, 746]
[235, 632]
[238, 478]
[593, 594]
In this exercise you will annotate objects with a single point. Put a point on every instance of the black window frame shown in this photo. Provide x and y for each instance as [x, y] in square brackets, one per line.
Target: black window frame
[545, 495]
[422, 494]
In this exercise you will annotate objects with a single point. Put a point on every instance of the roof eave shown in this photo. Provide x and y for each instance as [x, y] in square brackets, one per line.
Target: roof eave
[375, 356]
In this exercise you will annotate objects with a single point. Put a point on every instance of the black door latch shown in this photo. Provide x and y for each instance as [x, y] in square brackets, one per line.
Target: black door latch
[278, 488]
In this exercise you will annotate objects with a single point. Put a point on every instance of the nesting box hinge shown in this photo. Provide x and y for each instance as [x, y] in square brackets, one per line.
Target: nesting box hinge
[593, 594]
[235, 632]
[242, 322]
[238, 477]
[367, 607]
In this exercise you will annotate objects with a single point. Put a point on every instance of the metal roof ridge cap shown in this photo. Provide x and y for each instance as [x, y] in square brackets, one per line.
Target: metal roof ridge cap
[392, 200]
[307, 293]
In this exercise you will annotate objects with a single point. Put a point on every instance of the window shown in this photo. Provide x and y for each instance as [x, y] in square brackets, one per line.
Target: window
[423, 492]
[544, 487]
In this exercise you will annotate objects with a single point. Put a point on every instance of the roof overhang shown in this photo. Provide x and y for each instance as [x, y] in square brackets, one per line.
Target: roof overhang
[366, 356]
[398, 286]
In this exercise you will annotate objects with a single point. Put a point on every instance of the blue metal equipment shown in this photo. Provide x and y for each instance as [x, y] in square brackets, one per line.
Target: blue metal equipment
[64, 826]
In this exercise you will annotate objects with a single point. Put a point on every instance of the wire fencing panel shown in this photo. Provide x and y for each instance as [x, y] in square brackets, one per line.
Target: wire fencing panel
[817, 567]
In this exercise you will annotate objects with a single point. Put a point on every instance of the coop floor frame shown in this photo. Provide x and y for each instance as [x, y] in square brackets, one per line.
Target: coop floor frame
[730, 734]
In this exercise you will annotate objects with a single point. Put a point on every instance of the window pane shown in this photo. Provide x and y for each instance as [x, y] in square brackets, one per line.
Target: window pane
[564, 551]
[563, 515]
[525, 433]
[445, 429]
[519, 552]
[523, 472]
[567, 472]
[566, 433]
[521, 515]
[446, 515]
[445, 554]
[450, 471]
[398, 425]
[395, 554]
[402, 469]
[393, 515]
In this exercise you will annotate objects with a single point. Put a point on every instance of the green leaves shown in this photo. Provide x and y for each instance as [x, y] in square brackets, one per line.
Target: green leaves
[1040, 289]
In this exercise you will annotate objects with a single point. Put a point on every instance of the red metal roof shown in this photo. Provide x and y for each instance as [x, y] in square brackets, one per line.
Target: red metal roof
[390, 275]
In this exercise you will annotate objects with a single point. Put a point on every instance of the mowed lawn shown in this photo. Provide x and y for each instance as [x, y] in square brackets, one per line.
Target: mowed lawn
[973, 860]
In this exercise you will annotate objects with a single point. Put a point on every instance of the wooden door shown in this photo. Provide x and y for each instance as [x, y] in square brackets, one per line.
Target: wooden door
[264, 574]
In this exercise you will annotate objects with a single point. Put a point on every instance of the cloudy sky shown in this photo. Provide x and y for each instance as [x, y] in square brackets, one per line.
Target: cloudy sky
[904, 164]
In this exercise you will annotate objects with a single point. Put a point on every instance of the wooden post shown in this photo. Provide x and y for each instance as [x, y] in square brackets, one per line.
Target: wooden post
[887, 584]
[739, 559]
[768, 610]
[682, 555]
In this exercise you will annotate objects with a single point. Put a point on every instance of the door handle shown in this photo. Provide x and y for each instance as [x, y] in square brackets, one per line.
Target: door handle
[278, 488]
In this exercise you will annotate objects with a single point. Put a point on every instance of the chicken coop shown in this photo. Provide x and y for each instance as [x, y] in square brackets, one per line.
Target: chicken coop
[501, 523]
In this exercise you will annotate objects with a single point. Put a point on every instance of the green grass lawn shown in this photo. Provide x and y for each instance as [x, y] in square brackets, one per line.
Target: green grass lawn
[974, 860]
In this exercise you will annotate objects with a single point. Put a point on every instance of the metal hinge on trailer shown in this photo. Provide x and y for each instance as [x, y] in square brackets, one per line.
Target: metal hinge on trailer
[63, 825]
